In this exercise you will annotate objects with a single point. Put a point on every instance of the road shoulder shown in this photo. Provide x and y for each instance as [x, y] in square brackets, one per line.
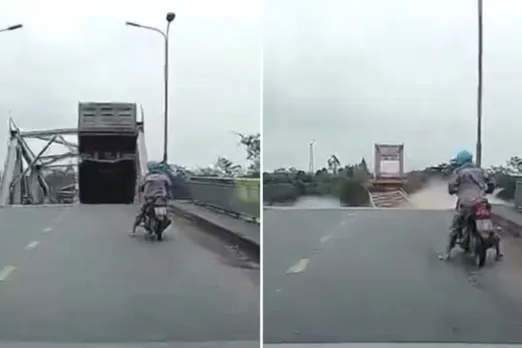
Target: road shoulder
[245, 234]
[508, 218]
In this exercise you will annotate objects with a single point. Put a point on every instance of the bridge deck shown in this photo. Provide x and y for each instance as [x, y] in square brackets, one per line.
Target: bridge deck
[339, 275]
[79, 277]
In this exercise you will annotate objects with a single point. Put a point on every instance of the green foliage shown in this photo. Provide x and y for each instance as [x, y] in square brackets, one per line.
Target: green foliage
[227, 168]
[348, 182]
[353, 193]
[252, 144]
[336, 181]
[505, 176]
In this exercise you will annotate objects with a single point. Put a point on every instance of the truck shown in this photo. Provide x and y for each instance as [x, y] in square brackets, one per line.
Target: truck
[107, 118]
[107, 135]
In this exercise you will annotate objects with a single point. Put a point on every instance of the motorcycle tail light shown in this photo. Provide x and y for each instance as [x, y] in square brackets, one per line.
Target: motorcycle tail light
[481, 210]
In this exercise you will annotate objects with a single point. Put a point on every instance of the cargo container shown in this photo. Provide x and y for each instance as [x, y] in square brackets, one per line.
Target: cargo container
[107, 134]
[107, 117]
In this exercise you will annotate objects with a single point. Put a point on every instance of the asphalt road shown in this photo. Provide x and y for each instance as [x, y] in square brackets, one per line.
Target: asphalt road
[338, 275]
[74, 274]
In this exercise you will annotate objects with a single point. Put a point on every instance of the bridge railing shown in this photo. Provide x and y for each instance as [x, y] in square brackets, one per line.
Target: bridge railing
[237, 197]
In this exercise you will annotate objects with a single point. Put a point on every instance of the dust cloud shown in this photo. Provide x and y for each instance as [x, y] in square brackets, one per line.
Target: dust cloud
[317, 202]
[435, 196]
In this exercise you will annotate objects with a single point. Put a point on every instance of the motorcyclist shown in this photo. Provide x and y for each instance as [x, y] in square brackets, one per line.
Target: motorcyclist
[470, 183]
[156, 184]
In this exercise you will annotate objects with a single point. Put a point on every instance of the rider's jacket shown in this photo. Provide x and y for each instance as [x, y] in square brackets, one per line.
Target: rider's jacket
[156, 185]
[470, 184]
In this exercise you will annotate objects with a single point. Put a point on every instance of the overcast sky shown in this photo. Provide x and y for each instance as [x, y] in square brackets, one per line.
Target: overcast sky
[81, 50]
[351, 73]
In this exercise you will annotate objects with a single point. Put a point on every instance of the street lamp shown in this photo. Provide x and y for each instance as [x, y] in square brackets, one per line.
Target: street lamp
[479, 87]
[165, 34]
[11, 28]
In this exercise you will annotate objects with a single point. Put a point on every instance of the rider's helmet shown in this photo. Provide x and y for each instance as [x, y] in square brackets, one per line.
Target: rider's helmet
[463, 157]
[154, 167]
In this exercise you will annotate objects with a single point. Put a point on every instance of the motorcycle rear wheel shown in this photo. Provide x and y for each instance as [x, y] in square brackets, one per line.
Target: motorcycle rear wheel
[479, 252]
[158, 229]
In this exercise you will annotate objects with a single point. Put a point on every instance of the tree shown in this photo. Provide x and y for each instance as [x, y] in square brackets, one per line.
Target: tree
[505, 177]
[364, 166]
[252, 144]
[353, 193]
[514, 165]
[333, 164]
[228, 168]
[206, 171]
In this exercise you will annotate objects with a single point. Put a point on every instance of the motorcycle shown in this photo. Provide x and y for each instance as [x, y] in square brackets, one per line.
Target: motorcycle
[478, 232]
[157, 219]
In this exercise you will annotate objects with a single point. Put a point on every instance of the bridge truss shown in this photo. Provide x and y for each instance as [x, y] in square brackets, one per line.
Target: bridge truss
[44, 177]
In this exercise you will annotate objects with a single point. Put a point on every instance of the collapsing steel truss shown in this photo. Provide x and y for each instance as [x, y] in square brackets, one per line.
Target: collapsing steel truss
[42, 178]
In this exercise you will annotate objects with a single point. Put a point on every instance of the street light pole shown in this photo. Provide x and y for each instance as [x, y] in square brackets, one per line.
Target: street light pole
[479, 87]
[11, 28]
[170, 17]
[165, 34]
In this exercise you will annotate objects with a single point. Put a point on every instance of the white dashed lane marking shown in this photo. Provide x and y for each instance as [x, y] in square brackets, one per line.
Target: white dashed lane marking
[5, 272]
[299, 267]
[325, 238]
[31, 245]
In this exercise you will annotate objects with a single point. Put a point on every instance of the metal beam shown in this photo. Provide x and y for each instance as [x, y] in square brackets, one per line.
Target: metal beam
[50, 159]
[40, 166]
[9, 169]
[71, 146]
[31, 165]
[51, 132]
[56, 166]
[60, 140]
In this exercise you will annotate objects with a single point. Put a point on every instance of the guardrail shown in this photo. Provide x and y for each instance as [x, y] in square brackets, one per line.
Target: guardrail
[518, 193]
[237, 197]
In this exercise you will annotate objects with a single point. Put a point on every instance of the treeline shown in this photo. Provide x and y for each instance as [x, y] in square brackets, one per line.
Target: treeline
[224, 167]
[286, 185]
[348, 183]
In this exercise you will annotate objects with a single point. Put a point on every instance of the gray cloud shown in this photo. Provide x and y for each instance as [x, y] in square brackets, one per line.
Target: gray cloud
[351, 73]
[69, 51]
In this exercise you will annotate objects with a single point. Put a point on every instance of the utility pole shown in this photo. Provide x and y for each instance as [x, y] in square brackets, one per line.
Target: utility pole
[479, 88]
[311, 158]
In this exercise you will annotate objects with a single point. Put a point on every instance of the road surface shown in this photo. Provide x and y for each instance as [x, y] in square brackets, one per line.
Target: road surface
[339, 275]
[73, 274]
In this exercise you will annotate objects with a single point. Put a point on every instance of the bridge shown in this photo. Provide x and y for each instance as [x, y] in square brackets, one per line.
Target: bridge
[372, 274]
[69, 272]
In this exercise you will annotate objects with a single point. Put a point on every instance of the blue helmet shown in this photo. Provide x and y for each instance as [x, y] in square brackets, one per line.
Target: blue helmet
[463, 157]
[154, 167]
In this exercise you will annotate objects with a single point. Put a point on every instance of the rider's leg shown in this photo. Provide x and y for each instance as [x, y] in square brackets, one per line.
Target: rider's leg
[496, 243]
[454, 233]
[169, 220]
[140, 216]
